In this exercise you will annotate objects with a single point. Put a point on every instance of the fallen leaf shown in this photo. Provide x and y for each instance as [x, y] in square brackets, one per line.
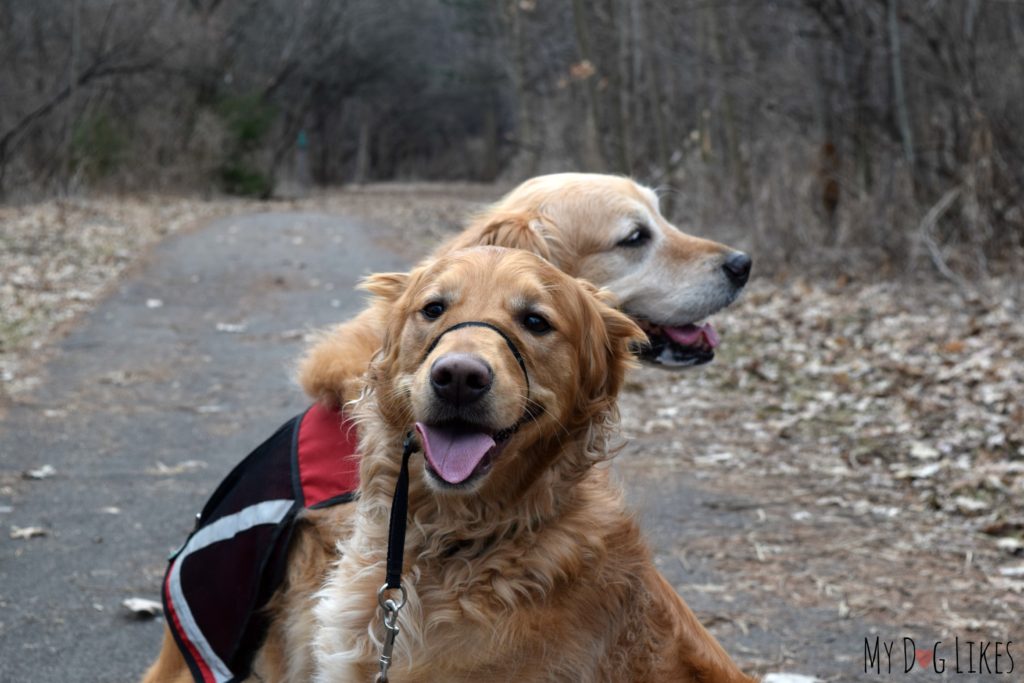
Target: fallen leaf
[18, 532]
[955, 346]
[182, 467]
[965, 504]
[923, 451]
[1007, 584]
[142, 607]
[1011, 544]
[713, 458]
[789, 678]
[44, 472]
[922, 472]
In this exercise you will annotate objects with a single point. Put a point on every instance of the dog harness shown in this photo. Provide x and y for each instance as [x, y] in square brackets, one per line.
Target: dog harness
[218, 582]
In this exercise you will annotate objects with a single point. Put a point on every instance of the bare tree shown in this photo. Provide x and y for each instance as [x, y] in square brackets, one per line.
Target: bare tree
[824, 122]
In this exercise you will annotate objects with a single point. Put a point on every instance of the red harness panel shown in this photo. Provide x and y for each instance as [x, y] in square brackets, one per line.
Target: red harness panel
[219, 581]
[328, 462]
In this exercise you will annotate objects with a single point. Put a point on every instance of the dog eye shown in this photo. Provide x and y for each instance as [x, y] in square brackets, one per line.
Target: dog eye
[536, 324]
[433, 310]
[640, 236]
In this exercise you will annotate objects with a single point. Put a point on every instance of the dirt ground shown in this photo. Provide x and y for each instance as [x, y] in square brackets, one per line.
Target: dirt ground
[878, 431]
[876, 428]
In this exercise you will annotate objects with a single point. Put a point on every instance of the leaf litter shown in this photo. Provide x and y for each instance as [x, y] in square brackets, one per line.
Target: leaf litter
[877, 429]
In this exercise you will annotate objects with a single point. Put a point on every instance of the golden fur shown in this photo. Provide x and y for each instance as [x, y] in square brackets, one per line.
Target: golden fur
[568, 219]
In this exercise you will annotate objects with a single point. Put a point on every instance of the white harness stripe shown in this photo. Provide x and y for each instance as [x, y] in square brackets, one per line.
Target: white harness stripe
[267, 512]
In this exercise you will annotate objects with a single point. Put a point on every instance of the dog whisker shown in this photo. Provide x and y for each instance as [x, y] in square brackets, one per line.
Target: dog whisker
[544, 411]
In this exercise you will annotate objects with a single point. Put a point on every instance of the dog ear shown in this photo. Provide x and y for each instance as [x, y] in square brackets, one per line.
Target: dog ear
[510, 230]
[385, 286]
[606, 353]
[387, 289]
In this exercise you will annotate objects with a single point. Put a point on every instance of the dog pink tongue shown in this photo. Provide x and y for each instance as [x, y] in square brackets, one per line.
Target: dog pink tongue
[453, 454]
[693, 335]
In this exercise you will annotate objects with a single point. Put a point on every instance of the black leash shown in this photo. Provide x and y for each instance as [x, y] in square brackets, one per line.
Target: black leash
[400, 509]
[396, 552]
[399, 516]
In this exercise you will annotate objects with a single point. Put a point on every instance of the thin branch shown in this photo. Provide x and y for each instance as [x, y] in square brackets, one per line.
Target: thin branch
[925, 229]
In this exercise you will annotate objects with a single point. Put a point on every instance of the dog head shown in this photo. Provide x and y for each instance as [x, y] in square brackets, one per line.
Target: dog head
[609, 230]
[497, 359]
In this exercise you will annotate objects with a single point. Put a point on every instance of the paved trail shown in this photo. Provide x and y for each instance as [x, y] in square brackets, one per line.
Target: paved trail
[177, 375]
[187, 386]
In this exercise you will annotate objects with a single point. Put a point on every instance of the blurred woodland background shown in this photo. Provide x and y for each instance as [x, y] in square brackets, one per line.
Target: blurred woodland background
[889, 125]
[856, 451]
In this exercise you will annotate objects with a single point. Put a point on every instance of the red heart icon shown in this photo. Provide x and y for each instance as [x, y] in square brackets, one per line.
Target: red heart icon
[924, 657]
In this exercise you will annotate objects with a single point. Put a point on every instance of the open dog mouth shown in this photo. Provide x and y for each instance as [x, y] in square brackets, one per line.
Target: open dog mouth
[457, 451]
[677, 346]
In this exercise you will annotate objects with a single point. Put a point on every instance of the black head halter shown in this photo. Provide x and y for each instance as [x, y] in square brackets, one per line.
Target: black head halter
[504, 335]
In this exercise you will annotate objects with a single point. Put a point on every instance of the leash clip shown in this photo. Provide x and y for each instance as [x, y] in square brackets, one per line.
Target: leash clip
[390, 608]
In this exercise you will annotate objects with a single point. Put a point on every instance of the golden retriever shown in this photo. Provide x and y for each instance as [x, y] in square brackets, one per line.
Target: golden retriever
[605, 229]
[522, 562]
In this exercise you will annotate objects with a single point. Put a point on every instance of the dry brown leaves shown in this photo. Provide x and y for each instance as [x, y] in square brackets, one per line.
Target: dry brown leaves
[878, 431]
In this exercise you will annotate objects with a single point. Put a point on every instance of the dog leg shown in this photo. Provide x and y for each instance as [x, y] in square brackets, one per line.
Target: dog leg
[170, 666]
[332, 369]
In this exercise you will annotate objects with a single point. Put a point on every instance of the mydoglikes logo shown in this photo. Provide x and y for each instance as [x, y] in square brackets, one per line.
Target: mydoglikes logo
[884, 657]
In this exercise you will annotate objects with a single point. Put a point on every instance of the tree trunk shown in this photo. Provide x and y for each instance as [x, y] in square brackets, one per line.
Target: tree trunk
[623, 146]
[898, 93]
[661, 144]
[529, 146]
[724, 56]
[76, 50]
[593, 158]
[362, 170]
[489, 162]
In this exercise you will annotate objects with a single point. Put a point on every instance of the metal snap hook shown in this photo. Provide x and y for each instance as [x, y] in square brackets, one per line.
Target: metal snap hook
[389, 605]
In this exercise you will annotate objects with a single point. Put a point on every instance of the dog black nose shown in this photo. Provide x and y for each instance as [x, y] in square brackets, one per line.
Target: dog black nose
[460, 378]
[737, 268]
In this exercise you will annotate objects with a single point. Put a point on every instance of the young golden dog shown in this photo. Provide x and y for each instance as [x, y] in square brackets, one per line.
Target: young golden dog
[522, 562]
[605, 229]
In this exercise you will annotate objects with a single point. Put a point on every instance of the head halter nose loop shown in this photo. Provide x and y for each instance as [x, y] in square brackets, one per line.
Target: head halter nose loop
[504, 335]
